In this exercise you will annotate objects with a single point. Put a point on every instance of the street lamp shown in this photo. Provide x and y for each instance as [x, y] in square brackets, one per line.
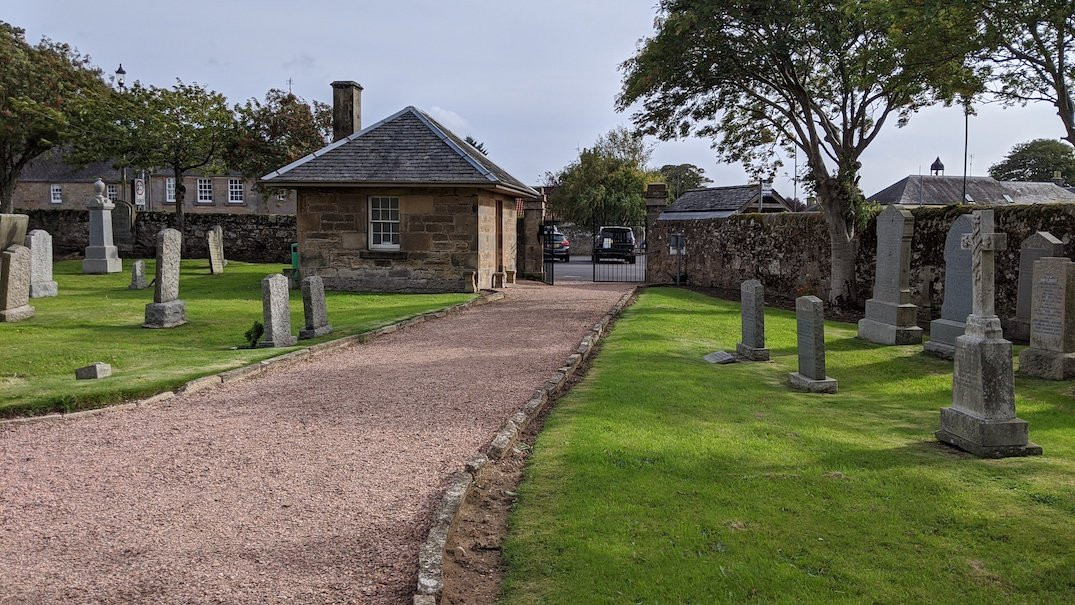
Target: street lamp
[120, 75]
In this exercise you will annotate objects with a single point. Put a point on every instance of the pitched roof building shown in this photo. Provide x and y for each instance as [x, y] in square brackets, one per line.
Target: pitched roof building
[939, 190]
[720, 202]
[403, 205]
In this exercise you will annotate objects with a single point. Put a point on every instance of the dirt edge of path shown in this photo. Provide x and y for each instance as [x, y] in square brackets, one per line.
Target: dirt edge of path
[473, 567]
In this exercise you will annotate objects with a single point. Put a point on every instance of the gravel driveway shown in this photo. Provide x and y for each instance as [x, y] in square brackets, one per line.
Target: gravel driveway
[312, 483]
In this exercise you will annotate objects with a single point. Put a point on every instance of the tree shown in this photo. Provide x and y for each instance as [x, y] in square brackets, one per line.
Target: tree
[476, 144]
[42, 88]
[276, 132]
[183, 128]
[821, 76]
[1030, 48]
[1036, 160]
[681, 178]
[606, 183]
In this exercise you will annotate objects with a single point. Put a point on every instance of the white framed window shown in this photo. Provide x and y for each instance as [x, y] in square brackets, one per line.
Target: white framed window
[282, 195]
[205, 191]
[112, 192]
[384, 223]
[169, 190]
[56, 194]
[235, 191]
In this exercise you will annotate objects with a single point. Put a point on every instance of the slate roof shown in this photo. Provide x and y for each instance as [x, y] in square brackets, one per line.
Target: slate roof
[717, 202]
[944, 190]
[53, 167]
[407, 148]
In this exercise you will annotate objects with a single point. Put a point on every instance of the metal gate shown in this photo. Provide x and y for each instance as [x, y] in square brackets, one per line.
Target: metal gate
[619, 252]
[548, 244]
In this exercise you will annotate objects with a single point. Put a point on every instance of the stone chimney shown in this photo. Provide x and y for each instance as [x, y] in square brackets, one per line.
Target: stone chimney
[1058, 178]
[346, 109]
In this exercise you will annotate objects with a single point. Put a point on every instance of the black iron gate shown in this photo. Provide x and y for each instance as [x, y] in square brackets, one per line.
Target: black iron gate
[549, 243]
[619, 252]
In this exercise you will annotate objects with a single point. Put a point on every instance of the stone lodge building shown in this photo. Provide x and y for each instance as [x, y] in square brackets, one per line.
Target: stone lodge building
[941, 190]
[49, 181]
[404, 205]
[722, 202]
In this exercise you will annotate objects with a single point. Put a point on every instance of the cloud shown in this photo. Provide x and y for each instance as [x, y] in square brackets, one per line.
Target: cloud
[453, 121]
[302, 62]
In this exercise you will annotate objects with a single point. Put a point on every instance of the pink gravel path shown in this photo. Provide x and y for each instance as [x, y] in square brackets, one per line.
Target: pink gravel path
[312, 483]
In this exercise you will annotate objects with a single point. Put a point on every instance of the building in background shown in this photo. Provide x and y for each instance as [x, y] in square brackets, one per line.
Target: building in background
[50, 182]
[940, 190]
[721, 202]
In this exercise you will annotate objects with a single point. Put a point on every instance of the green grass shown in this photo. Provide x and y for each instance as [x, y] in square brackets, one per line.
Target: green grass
[96, 318]
[663, 479]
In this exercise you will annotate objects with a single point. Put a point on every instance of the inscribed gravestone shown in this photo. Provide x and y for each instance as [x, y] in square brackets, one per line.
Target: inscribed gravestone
[215, 238]
[276, 311]
[981, 419]
[810, 326]
[752, 311]
[1039, 245]
[891, 319]
[313, 308]
[15, 284]
[1051, 353]
[166, 310]
[41, 283]
[138, 276]
[12, 229]
[123, 217]
[101, 255]
[957, 293]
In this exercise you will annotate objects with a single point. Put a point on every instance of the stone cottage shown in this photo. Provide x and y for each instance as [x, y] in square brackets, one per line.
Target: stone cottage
[404, 205]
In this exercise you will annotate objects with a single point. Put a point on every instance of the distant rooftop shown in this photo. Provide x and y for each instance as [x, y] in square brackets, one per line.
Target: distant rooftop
[933, 190]
[719, 202]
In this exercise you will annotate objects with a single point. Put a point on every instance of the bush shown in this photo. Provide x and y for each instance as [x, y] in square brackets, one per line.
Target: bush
[253, 335]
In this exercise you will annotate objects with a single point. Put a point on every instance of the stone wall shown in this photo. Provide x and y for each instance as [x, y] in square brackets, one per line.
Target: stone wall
[447, 239]
[789, 252]
[249, 237]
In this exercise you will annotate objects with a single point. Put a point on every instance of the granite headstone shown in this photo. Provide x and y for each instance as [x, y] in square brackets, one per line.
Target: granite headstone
[752, 312]
[313, 308]
[41, 283]
[15, 284]
[277, 312]
[138, 276]
[1051, 353]
[891, 319]
[957, 293]
[166, 310]
[982, 419]
[810, 325]
[215, 238]
[1039, 245]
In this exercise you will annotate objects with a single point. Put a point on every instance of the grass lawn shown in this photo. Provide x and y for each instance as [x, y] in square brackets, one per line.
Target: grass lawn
[96, 318]
[663, 479]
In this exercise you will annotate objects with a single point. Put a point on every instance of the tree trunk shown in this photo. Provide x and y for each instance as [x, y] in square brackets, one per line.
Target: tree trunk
[180, 196]
[7, 196]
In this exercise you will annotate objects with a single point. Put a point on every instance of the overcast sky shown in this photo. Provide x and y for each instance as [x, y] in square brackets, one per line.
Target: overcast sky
[534, 81]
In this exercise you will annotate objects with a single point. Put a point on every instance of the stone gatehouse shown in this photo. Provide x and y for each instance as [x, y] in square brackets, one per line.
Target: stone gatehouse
[404, 205]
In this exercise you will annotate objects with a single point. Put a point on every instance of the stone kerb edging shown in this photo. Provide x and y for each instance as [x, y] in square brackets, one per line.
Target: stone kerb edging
[216, 380]
[431, 554]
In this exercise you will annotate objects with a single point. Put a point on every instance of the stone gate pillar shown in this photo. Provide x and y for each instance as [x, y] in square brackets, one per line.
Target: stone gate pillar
[656, 245]
[532, 243]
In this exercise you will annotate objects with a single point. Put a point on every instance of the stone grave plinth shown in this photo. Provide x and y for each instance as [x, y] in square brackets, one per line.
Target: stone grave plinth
[891, 319]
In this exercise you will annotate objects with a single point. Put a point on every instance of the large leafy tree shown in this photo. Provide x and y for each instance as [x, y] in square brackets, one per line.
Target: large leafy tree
[43, 87]
[681, 178]
[1036, 160]
[1031, 53]
[822, 76]
[182, 129]
[277, 131]
[606, 183]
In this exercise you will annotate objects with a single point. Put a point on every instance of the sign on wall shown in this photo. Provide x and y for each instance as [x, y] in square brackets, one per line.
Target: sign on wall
[139, 192]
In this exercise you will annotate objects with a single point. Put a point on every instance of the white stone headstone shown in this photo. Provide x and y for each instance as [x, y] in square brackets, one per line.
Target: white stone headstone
[41, 283]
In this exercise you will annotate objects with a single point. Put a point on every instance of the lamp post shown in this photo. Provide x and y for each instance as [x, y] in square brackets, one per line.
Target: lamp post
[121, 77]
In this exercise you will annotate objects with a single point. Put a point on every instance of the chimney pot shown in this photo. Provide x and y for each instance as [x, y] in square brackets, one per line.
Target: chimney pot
[346, 109]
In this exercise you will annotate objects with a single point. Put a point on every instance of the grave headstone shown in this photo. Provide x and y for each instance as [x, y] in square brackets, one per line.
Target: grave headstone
[166, 310]
[1039, 245]
[313, 308]
[810, 325]
[138, 276]
[15, 284]
[720, 357]
[891, 319]
[41, 283]
[1051, 353]
[981, 419]
[13, 229]
[957, 293]
[752, 312]
[216, 249]
[277, 312]
[94, 371]
[101, 255]
[123, 217]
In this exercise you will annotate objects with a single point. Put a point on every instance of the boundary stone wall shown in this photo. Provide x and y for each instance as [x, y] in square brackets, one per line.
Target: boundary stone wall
[260, 238]
[789, 252]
